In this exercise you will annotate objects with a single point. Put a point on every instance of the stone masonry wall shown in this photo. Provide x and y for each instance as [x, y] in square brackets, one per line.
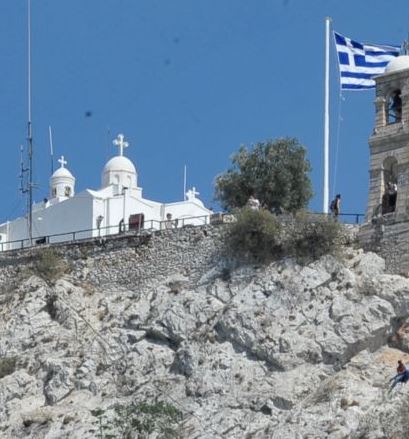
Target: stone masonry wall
[127, 259]
[391, 241]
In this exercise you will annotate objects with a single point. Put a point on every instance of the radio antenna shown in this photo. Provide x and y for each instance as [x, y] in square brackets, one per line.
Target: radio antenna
[29, 129]
[23, 171]
[51, 149]
[184, 182]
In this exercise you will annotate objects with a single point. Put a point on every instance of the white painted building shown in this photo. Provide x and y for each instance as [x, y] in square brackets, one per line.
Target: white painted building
[116, 207]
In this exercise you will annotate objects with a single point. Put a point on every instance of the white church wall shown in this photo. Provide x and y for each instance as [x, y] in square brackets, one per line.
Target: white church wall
[120, 208]
[188, 213]
[71, 215]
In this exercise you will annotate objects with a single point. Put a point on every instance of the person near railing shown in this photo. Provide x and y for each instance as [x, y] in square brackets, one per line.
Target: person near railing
[335, 206]
[169, 223]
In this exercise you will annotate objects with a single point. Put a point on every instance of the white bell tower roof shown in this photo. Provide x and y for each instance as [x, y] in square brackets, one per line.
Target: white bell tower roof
[62, 182]
[119, 170]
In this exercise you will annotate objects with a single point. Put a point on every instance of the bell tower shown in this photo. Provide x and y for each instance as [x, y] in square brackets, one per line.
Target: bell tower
[386, 228]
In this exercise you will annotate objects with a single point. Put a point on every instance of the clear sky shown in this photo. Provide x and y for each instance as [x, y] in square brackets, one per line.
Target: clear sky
[187, 82]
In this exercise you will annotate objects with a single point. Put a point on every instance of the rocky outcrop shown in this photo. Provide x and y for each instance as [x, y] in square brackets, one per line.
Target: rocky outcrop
[281, 351]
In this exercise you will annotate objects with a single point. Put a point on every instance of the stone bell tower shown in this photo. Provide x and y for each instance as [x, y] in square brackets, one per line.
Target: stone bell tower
[386, 228]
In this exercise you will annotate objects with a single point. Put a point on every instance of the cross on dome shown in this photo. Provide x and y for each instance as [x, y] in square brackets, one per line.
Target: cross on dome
[121, 143]
[62, 161]
[191, 193]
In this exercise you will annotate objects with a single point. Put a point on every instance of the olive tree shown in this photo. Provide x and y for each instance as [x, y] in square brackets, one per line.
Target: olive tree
[276, 172]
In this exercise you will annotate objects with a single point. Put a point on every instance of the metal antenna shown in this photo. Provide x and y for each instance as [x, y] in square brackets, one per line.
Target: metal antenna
[51, 149]
[405, 46]
[23, 171]
[184, 182]
[29, 130]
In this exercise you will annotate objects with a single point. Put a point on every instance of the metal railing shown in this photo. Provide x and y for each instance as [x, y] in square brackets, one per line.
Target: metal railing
[102, 232]
[351, 218]
[147, 227]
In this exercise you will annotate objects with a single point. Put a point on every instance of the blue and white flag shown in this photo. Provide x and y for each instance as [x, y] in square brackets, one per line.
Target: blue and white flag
[359, 63]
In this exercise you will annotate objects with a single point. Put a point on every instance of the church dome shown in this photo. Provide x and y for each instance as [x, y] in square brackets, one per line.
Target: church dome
[119, 163]
[119, 171]
[398, 63]
[62, 173]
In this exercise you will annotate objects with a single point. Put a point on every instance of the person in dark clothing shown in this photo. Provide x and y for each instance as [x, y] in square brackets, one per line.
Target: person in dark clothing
[396, 107]
[392, 192]
[335, 206]
[402, 375]
[401, 367]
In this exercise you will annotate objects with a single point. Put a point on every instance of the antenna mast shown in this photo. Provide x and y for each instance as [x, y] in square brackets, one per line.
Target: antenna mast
[184, 183]
[23, 170]
[29, 131]
[51, 149]
[404, 48]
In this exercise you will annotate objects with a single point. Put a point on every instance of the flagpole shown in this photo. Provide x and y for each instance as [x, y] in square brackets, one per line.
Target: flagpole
[325, 200]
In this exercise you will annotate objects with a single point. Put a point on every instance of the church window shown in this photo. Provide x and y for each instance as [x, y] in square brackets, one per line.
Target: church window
[54, 192]
[394, 108]
[389, 185]
[67, 191]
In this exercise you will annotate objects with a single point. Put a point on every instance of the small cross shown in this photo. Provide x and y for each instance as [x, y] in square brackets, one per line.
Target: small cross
[120, 142]
[191, 193]
[62, 161]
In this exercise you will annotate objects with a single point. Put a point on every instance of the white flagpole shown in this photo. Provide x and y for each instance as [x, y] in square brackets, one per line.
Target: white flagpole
[325, 201]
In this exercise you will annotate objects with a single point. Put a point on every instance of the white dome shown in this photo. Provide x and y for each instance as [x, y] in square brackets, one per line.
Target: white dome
[398, 63]
[62, 182]
[119, 164]
[62, 173]
[121, 172]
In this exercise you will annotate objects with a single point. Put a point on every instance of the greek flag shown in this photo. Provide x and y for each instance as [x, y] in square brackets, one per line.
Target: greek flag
[359, 63]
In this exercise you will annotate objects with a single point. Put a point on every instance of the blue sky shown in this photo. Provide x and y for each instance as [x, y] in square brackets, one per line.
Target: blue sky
[187, 82]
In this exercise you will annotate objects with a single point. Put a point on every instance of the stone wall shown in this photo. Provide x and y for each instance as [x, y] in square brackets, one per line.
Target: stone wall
[390, 239]
[126, 259]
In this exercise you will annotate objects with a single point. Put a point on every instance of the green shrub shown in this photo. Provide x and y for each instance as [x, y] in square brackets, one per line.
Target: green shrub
[260, 236]
[144, 418]
[314, 236]
[7, 366]
[254, 236]
[49, 265]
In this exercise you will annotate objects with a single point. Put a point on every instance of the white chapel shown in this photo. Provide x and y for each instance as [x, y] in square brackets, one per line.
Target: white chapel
[118, 206]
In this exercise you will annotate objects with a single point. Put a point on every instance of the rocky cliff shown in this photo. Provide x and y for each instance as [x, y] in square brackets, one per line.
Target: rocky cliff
[162, 337]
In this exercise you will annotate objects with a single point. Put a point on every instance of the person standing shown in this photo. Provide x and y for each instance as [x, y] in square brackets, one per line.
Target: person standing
[335, 206]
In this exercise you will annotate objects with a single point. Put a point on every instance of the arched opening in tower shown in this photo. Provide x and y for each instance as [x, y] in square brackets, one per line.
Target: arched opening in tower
[389, 185]
[394, 107]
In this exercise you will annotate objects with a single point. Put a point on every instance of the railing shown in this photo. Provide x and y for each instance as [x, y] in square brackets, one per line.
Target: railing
[146, 227]
[356, 218]
[101, 232]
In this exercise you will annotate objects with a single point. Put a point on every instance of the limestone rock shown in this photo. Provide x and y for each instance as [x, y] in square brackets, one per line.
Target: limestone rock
[281, 351]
